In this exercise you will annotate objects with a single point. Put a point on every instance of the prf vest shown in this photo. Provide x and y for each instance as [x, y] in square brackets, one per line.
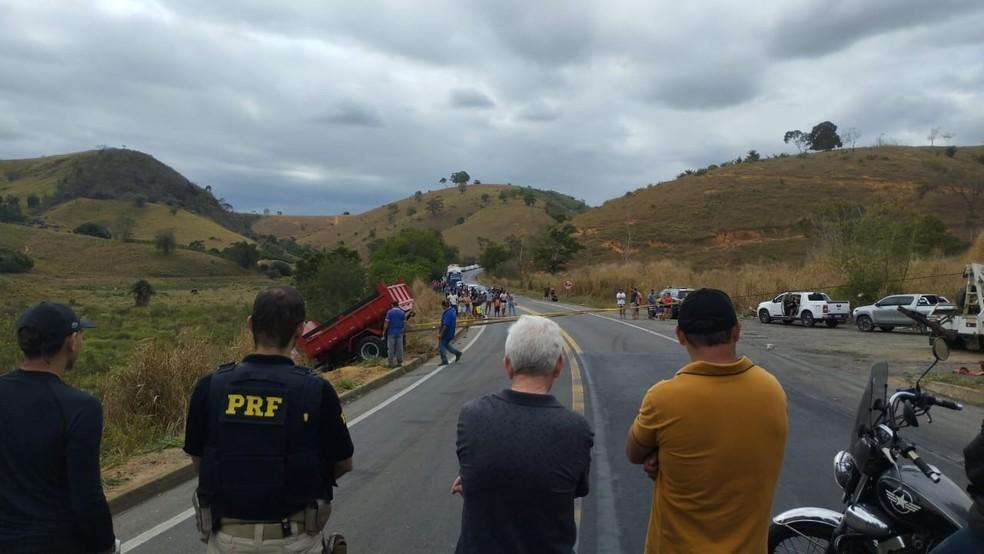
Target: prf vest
[263, 460]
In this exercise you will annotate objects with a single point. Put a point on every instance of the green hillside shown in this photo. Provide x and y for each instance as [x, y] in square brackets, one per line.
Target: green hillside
[465, 217]
[754, 211]
[148, 220]
[64, 255]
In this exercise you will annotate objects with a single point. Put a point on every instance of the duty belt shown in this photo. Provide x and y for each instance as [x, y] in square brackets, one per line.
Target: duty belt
[293, 525]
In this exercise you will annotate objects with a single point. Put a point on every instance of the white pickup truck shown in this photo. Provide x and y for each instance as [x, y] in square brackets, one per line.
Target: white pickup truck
[885, 313]
[805, 307]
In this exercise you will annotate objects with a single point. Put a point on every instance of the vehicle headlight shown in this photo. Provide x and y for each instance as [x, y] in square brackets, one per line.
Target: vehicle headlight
[844, 469]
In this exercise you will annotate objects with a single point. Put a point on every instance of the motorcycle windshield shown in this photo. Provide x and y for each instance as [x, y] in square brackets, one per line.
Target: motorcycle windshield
[873, 402]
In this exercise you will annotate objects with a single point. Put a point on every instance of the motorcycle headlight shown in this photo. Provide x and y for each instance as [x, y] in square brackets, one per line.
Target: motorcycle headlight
[844, 469]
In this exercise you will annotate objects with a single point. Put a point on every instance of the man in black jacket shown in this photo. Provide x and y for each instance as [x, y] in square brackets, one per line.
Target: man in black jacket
[971, 539]
[51, 497]
[268, 439]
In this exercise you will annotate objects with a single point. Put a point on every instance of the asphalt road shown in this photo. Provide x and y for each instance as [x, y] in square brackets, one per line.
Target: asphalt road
[397, 499]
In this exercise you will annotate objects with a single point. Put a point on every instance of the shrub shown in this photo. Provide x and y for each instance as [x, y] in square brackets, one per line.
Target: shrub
[12, 261]
[279, 268]
[142, 291]
[950, 151]
[460, 220]
[93, 230]
[165, 242]
[198, 245]
[243, 253]
[331, 281]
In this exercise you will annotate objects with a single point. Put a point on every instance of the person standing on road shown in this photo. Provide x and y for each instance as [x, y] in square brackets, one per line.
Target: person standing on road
[511, 304]
[523, 456]
[393, 328]
[970, 538]
[449, 320]
[453, 299]
[712, 438]
[269, 441]
[636, 300]
[667, 305]
[620, 302]
[51, 496]
[651, 299]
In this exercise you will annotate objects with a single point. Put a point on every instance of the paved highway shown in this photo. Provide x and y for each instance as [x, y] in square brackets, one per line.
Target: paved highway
[397, 499]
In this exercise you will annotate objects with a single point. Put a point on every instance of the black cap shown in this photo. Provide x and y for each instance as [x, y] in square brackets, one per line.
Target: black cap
[52, 322]
[707, 311]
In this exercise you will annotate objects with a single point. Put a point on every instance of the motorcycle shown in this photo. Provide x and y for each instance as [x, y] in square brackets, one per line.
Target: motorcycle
[895, 502]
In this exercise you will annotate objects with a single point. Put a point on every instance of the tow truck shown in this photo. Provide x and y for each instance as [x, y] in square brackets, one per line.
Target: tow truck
[961, 325]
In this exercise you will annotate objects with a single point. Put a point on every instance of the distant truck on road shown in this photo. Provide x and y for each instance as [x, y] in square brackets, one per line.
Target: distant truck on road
[356, 332]
[886, 316]
[805, 307]
[454, 276]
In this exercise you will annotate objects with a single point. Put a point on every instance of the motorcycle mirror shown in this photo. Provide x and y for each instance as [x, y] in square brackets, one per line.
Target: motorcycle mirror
[909, 414]
[940, 349]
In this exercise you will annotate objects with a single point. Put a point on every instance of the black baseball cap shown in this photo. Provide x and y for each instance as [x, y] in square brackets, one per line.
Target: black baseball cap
[707, 311]
[52, 322]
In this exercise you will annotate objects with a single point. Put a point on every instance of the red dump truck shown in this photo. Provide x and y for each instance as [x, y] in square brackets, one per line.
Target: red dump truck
[356, 332]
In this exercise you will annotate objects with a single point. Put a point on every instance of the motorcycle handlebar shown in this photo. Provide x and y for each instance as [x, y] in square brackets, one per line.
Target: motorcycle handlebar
[948, 404]
[934, 475]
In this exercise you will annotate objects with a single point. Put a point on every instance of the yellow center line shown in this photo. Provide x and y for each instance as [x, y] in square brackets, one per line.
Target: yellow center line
[577, 389]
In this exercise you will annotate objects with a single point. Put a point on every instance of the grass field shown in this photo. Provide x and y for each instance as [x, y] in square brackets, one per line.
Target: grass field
[489, 218]
[38, 176]
[750, 212]
[148, 220]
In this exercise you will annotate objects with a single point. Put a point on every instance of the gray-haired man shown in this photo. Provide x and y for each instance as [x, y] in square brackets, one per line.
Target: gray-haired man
[523, 457]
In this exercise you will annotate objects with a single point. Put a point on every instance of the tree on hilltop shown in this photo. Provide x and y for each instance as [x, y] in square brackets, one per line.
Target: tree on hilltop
[142, 291]
[824, 137]
[799, 139]
[528, 197]
[459, 177]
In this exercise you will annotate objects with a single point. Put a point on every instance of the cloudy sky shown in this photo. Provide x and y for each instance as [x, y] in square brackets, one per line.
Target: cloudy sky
[326, 106]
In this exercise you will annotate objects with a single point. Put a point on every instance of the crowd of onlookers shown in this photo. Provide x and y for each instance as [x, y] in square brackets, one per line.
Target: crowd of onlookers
[478, 302]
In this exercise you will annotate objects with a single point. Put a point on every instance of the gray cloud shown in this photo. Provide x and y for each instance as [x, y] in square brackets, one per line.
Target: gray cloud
[329, 107]
[469, 98]
[352, 114]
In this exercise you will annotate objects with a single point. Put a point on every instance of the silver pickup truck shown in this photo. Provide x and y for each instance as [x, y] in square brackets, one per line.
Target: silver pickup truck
[886, 316]
[805, 307]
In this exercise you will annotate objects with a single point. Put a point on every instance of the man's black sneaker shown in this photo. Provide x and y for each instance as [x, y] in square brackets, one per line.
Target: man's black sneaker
[457, 357]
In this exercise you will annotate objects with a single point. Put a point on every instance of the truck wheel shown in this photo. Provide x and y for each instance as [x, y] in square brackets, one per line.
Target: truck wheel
[764, 316]
[371, 347]
[808, 320]
[865, 324]
[886, 328]
[832, 323]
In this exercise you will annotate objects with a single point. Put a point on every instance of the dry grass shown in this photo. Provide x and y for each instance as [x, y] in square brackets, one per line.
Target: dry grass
[749, 212]
[146, 401]
[427, 304]
[748, 285]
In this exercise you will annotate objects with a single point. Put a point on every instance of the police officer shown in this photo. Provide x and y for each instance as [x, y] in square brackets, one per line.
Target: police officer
[268, 440]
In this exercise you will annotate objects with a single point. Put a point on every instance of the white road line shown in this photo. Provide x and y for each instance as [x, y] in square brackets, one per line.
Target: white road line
[415, 384]
[650, 331]
[165, 526]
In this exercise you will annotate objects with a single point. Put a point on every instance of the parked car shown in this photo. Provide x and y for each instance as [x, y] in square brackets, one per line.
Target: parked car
[805, 307]
[886, 316]
[677, 294]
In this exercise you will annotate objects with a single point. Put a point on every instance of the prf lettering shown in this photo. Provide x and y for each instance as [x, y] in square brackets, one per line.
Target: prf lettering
[253, 406]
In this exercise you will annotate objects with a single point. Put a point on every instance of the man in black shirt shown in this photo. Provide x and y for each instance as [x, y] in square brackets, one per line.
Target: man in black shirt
[51, 497]
[268, 439]
[523, 456]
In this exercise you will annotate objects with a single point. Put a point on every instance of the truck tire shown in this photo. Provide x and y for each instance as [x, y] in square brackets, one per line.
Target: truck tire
[886, 328]
[865, 324]
[764, 316]
[371, 347]
[807, 319]
[832, 323]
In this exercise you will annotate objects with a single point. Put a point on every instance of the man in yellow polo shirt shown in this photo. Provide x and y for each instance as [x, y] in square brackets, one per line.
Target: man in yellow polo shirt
[712, 438]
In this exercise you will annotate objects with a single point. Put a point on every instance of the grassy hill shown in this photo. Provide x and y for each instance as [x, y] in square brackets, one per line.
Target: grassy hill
[148, 220]
[66, 255]
[111, 174]
[751, 211]
[477, 212]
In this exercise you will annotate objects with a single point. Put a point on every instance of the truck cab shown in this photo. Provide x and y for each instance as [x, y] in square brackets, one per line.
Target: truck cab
[805, 307]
